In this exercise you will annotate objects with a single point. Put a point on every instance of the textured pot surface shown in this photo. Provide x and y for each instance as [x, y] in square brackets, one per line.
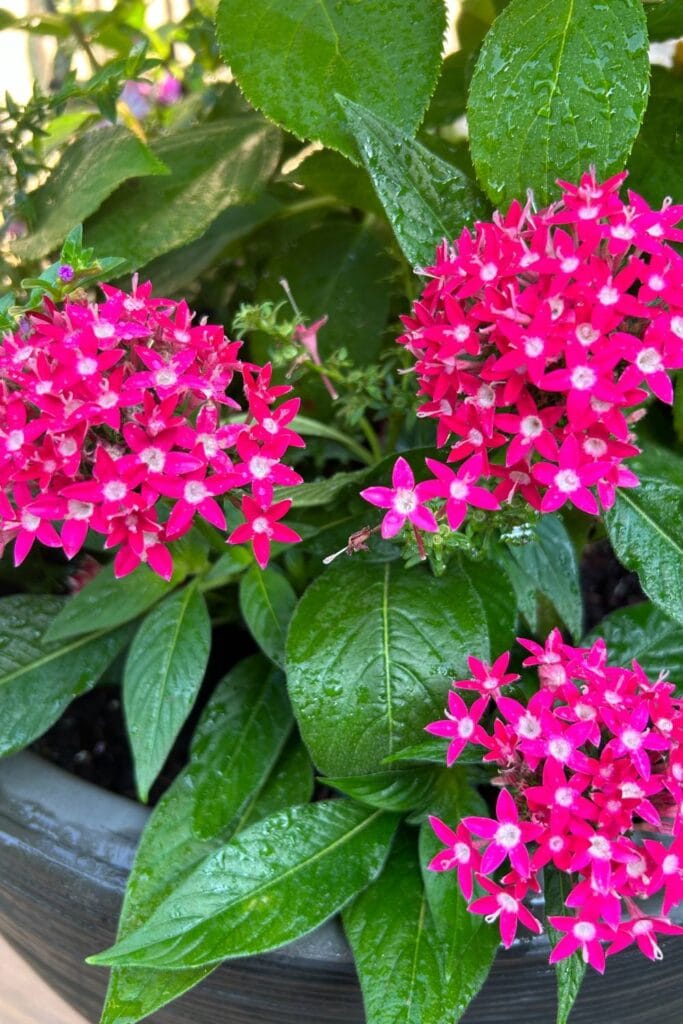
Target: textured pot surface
[65, 850]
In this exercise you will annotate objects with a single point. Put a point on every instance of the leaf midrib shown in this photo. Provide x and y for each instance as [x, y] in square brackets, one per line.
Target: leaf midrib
[60, 652]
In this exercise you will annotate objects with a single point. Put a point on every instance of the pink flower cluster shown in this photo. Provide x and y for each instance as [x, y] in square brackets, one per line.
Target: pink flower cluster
[591, 770]
[538, 338]
[110, 421]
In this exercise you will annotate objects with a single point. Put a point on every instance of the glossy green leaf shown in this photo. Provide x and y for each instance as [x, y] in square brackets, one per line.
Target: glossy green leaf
[656, 164]
[433, 751]
[569, 972]
[340, 270]
[244, 731]
[425, 198]
[164, 670]
[396, 946]
[106, 602]
[90, 169]
[450, 96]
[372, 649]
[327, 173]
[646, 529]
[173, 271]
[38, 680]
[402, 790]
[290, 59]
[267, 603]
[548, 566]
[213, 166]
[559, 85]
[169, 849]
[664, 19]
[645, 633]
[272, 883]
[319, 493]
[468, 944]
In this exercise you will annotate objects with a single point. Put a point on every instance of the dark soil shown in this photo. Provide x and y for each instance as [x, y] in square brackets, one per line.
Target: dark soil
[90, 739]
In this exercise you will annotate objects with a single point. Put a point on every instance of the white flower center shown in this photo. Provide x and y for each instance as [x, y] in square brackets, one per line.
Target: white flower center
[195, 492]
[15, 440]
[529, 726]
[664, 724]
[642, 927]
[475, 437]
[583, 378]
[631, 791]
[567, 481]
[269, 425]
[649, 360]
[670, 864]
[405, 501]
[595, 446]
[67, 447]
[584, 931]
[677, 326]
[560, 749]
[107, 400]
[486, 397]
[154, 458]
[533, 347]
[462, 852]
[260, 467]
[600, 848]
[608, 296]
[80, 509]
[508, 835]
[556, 843]
[623, 231]
[209, 444]
[569, 264]
[104, 330]
[632, 739]
[458, 490]
[115, 490]
[465, 728]
[30, 522]
[565, 796]
[656, 283]
[260, 525]
[165, 378]
[86, 366]
[507, 902]
[488, 272]
[531, 426]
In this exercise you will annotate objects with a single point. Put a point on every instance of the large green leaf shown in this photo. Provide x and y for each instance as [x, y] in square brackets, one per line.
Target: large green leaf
[272, 883]
[106, 602]
[393, 936]
[371, 651]
[547, 565]
[243, 730]
[403, 790]
[327, 173]
[645, 633]
[340, 270]
[267, 602]
[176, 269]
[213, 166]
[664, 19]
[646, 529]
[164, 670]
[425, 198]
[38, 680]
[559, 85]
[290, 58]
[656, 164]
[569, 972]
[169, 849]
[90, 169]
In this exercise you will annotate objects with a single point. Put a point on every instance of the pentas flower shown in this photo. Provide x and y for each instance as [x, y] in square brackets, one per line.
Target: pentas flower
[537, 339]
[591, 782]
[112, 419]
[404, 501]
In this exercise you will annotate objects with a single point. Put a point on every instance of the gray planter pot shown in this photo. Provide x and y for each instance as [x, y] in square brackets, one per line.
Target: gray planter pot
[65, 850]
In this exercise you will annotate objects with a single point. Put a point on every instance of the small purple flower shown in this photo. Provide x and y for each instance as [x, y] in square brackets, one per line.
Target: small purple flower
[66, 272]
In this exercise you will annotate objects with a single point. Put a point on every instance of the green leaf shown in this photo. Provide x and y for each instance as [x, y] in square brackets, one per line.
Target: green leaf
[396, 946]
[213, 166]
[244, 731]
[664, 19]
[229, 567]
[474, 21]
[327, 173]
[569, 972]
[290, 59]
[106, 602]
[657, 157]
[371, 651]
[450, 98]
[38, 680]
[425, 198]
[548, 565]
[559, 85]
[468, 945]
[273, 883]
[646, 529]
[90, 169]
[320, 492]
[168, 850]
[433, 751]
[340, 270]
[267, 603]
[164, 670]
[308, 427]
[172, 272]
[402, 790]
[645, 633]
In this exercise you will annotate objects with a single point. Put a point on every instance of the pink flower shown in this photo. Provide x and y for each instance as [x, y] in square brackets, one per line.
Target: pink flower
[460, 854]
[460, 725]
[508, 836]
[262, 527]
[404, 500]
[487, 679]
[501, 905]
[582, 934]
[458, 488]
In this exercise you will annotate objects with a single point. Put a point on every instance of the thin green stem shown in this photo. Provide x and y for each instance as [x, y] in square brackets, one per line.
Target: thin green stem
[371, 438]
